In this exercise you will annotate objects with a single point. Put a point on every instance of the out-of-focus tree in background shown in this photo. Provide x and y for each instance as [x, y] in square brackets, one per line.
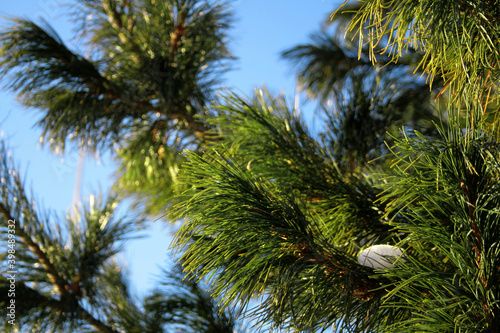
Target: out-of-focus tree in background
[152, 69]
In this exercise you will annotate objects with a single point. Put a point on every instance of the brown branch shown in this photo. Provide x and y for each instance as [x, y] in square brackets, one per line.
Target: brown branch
[471, 197]
[177, 34]
[362, 286]
[61, 285]
[52, 272]
[114, 18]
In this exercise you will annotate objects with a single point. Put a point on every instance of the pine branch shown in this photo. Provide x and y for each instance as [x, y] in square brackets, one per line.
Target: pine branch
[124, 33]
[251, 238]
[454, 218]
[28, 42]
[32, 299]
[52, 272]
[96, 101]
[153, 63]
[328, 59]
[67, 280]
[264, 127]
[191, 308]
[459, 41]
[51, 266]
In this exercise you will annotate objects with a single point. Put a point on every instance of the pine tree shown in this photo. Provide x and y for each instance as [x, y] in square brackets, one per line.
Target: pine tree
[273, 212]
[62, 274]
[153, 68]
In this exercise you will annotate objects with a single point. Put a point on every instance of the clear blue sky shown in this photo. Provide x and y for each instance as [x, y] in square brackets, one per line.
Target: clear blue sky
[262, 29]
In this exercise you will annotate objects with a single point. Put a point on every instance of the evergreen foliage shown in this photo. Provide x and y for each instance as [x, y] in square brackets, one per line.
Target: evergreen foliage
[446, 195]
[271, 211]
[154, 67]
[277, 213]
[188, 307]
[459, 40]
[364, 105]
[273, 215]
[67, 277]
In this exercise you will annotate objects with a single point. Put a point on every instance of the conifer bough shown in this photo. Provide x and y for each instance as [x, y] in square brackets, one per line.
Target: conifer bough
[459, 39]
[152, 70]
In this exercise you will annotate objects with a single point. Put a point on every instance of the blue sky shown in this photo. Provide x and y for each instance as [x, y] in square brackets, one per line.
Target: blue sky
[262, 29]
